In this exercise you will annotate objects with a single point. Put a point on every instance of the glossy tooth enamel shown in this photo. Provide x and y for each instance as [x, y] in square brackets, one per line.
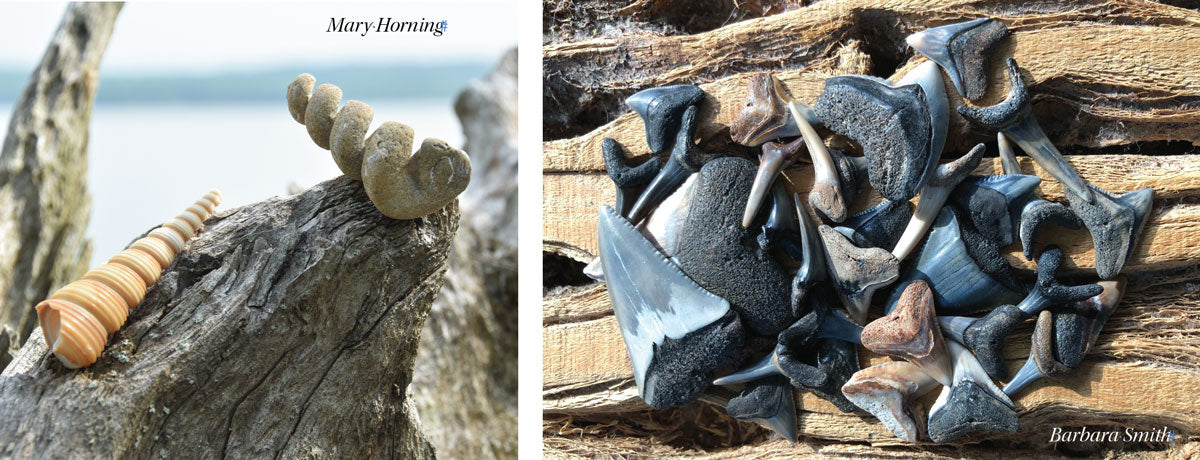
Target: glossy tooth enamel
[1115, 222]
[891, 123]
[1014, 118]
[911, 332]
[962, 49]
[933, 195]
[684, 161]
[879, 226]
[888, 391]
[973, 404]
[826, 195]
[660, 321]
[774, 158]
[986, 336]
[1008, 158]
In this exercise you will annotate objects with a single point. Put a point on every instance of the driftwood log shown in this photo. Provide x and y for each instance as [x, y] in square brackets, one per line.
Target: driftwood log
[465, 380]
[1114, 84]
[44, 204]
[287, 329]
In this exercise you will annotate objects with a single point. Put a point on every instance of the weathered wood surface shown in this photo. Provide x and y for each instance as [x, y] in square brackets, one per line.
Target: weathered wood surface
[44, 203]
[1110, 80]
[287, 329]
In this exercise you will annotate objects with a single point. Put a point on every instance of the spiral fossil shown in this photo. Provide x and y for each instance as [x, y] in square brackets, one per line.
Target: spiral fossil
[402, 184]
[78, 318]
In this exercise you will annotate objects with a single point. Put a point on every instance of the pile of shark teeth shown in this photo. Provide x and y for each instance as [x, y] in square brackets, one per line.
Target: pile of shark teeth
[720, 275]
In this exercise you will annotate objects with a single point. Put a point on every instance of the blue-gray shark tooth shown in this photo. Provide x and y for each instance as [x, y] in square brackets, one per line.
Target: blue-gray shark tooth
[972, 404]
[995, 203]
[1014, 117]
[962, 49]
[686, 159]
[656, 303]
[1115, 222]
[661, 110]
[768, 402]
[879, 226]
[959, 285]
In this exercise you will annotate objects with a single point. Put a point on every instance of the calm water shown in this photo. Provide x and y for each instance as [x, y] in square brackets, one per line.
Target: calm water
[148, 163]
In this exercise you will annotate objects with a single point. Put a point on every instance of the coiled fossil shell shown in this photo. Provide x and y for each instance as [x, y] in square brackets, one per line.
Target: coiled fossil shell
[400, 183]
[77, 319]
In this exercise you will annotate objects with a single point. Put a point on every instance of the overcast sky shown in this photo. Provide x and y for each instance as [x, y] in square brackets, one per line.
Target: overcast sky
[207, 37]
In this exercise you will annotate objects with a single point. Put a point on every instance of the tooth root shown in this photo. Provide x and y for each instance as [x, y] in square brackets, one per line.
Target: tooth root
[768, 402]
[857, 272]
[627, 179]
[774, 158]
[661, 110]
[887, 391]
[985, 337]
[1037, 212]
[683, 162]
[1048, 291]
[765, 117]
[962, 49]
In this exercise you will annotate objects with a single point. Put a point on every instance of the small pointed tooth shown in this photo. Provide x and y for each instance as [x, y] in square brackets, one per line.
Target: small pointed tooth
[684, 161]
[967, 368]
[1008, 159]
[812, 269]
[768, 402]
[1028, 373]
[1039, 351]
[594, 270]
[1076, 326]
[627, 179]
[1115, 223]
[857, 272]
[962, 49]
[826, 195]
[1037, 212]
[764, 117]
[954, 326]
[937, 188]
[765, 367]
[775, 156]
[661, 110]
[911, 332]
[835, 325]
[887, 391]
[879, 226]
[1048, 291]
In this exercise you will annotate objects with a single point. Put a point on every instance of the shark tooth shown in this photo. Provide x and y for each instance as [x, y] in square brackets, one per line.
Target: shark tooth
[986, 335]
[774, 158]
[812, 268]
[662, 111]
[1115, 222]
[891, 123]
[684, 161]
[827, 195]
[911, 332]
[821, 332]
[716, 255]
[960, 284]
[1061, 338]
[664, 322]
[768, 402]
[1008, 159]
[766, 117]
[628, 179]
[962, 49]
[933, 195]
[1037, 212]
[857, 272]
[888, 391]
[973, 404]
[994, 203]
[781, 229]
[1014, 117]
[879, 226]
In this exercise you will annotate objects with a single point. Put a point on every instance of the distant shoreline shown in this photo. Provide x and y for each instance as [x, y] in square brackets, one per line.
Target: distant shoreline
[357, 82]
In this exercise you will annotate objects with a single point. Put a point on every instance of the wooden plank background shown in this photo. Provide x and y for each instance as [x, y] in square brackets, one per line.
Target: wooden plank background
[1105, 74]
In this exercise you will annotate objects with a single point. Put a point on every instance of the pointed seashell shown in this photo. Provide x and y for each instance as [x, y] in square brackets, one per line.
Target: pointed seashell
[200, 212]
[192, 220]
[77, 318]
[71, 333]
[98, 299]
[156, 248]
[122, 279]
[140, 262]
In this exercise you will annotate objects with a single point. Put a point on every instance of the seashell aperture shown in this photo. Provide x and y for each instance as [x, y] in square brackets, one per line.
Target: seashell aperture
[77, 319]
[400, 183]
